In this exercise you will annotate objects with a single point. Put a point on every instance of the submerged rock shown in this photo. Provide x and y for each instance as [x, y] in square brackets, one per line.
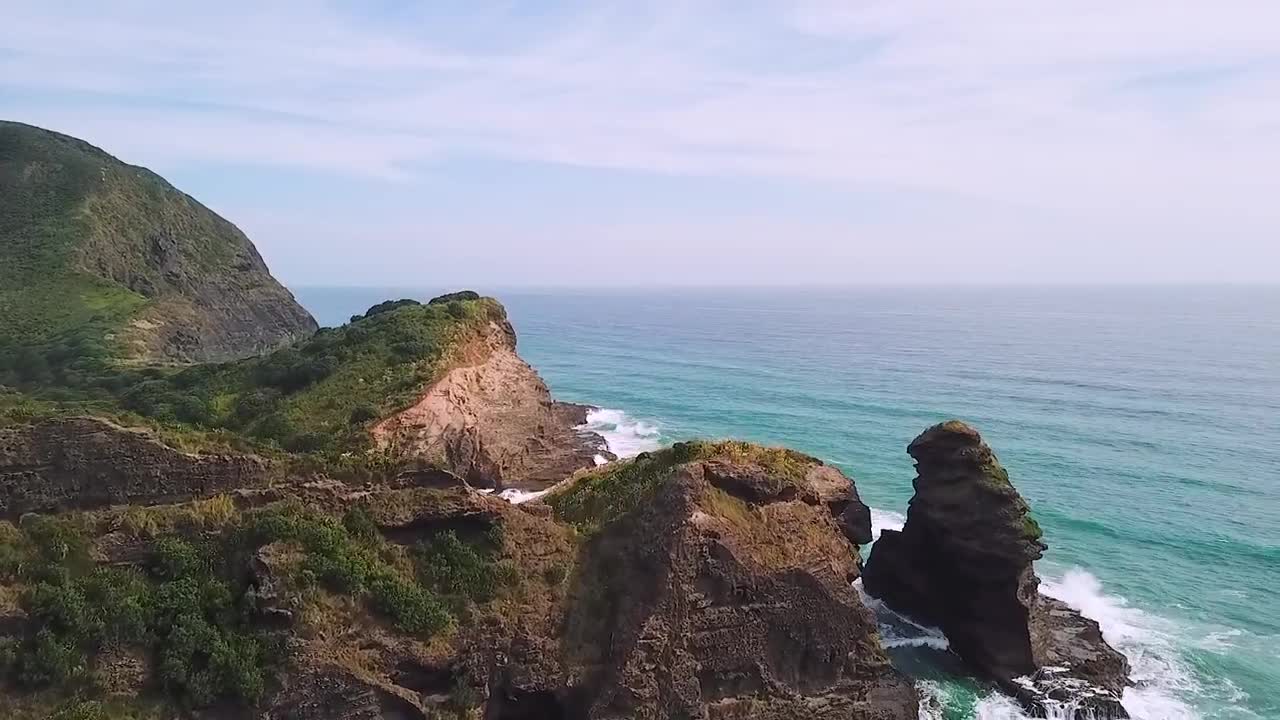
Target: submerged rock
[964, 562]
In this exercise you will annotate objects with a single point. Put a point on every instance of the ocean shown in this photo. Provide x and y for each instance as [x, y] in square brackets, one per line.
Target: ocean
[1142, 424]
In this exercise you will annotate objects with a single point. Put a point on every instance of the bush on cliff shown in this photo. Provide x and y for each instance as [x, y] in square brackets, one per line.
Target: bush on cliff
[188, 607]
[601, 496]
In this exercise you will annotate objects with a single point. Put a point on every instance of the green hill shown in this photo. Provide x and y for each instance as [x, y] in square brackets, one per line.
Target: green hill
[101, 261]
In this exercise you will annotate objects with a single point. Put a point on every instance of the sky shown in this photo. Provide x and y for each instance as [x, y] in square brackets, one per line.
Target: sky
[744, 142]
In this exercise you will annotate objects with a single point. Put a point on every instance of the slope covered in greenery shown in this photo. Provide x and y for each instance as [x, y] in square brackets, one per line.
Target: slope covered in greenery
[100, 261]
[316, 396]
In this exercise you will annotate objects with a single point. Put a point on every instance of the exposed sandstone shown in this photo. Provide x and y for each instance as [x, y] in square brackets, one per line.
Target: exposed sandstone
[78, 463]
[491, 421]
[964, 562]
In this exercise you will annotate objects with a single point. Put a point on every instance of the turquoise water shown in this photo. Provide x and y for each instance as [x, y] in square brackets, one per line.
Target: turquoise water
[1142, 424]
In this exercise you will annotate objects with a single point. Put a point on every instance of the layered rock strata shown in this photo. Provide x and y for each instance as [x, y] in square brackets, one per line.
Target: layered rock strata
[82, 462]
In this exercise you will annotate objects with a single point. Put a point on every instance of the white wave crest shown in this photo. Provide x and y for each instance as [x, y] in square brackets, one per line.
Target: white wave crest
[897, 630]
[1161, 679]
[625, 435]
[885, 520]
[515, 497]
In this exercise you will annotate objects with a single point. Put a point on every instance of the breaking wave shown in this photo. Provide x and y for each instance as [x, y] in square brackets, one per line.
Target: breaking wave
[1161, 678]
[885, 520]
[625, 435]
[1163, 683]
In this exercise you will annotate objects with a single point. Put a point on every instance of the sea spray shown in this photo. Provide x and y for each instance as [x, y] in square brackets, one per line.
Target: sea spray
[625, 435]
[885, 520]
[1161, 679]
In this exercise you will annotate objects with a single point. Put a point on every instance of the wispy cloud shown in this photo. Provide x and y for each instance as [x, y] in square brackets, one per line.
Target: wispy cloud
[1126, 112]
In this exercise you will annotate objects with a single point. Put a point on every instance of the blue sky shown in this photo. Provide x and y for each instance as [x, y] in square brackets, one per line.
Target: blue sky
[699, 142]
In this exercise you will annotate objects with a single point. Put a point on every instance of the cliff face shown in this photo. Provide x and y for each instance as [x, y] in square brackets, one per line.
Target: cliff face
[963, 563]
[81, 463]
[100, 252]
[722, 591]
[491, 420]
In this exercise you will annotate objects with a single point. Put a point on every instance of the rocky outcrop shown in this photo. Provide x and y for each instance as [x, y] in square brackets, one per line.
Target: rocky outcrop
[964, 562]
[725, 594]
[78, 463]
[491, 420]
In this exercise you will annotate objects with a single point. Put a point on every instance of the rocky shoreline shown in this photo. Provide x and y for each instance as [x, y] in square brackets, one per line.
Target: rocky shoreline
[314, 529]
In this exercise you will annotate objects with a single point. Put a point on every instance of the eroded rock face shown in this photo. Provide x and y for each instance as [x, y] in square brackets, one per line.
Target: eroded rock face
[727, 595]
[79, 463]
[963, 562]
[492, 421]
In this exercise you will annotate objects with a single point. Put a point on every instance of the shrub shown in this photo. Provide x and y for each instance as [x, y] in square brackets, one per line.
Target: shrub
[463, 295]
[360, 523]
[362, 414]
[454, 568]
[50, 660]
[411, 607]
[305, 442]
[388, 306]
[255, 404]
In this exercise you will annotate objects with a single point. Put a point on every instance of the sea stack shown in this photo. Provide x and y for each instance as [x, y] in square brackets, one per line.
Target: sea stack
[964, 562]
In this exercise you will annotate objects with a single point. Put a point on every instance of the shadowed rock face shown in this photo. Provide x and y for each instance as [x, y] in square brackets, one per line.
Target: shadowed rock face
[80, 463]
[963, 562]
[727, 595]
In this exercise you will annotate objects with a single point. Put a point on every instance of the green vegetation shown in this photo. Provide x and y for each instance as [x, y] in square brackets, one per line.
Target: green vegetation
[460, 571]
[601, 496]
[48, 308]
[1030, 528]
[315, 397]
[186, 610]
[189, 609]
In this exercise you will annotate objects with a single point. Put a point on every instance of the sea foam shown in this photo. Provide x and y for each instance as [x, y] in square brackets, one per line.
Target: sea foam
[625, 435]
[1161, 678]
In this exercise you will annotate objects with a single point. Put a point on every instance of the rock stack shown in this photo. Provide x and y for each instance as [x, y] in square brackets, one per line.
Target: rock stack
[963, 562]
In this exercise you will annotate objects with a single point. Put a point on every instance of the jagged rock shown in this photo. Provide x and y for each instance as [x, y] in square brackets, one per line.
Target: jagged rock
[491, 421]
[267, 593]
[333, 693]
[81, 462]
[724, 595]
[963, 562]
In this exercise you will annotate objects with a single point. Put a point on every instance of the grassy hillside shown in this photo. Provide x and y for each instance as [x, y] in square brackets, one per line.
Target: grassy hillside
[103, 260]
[185, 604]
[316, 396]
[47, 305]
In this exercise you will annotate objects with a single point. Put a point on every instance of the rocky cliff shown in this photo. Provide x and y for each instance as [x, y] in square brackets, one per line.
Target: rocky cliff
[719, 588]
[722, 589]
[80, 463]
[100, 256]
[963, 562]
[491, 420]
